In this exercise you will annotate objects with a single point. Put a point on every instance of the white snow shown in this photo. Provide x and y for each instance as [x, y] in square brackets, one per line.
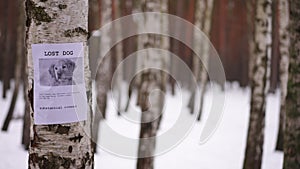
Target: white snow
[225, 149]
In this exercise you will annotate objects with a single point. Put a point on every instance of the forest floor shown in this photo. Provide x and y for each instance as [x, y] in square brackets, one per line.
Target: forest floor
[224, 150]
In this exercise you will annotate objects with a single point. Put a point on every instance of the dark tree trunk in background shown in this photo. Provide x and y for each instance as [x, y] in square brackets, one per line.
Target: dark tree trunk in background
[18, 65]
[5, 50]
[274, 77]
[262, 42]
[103, 72]
[94, 45]
[284, 64]
[3, 11]
[94, 15]
[292, 132]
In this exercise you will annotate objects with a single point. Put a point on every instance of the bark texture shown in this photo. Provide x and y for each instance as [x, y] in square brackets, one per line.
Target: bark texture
[292, 132]
[262, 43]
[284, 64]
[64, 145]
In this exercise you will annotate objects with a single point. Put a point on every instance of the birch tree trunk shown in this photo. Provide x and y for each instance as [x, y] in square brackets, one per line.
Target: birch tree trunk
[151, 80]
[103, 72]
[199, 18]
[262, 43]
[292, 132]
[64, 145]
[205, 47]
[284, 64]
[203, 17]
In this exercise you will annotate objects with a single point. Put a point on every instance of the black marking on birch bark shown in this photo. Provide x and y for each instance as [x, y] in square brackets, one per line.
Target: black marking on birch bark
[76, 138]
[62, 6]
[75, 32]
[43, 0]
[86, 160]
[63, 129]
[51, 161]
[37, 13]
[70, 149]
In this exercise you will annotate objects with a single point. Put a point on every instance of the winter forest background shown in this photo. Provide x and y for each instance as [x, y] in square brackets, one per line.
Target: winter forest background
[258, 125]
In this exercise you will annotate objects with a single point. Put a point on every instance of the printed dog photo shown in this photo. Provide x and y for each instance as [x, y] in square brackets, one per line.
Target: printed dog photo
[62, 72]
[57, 72]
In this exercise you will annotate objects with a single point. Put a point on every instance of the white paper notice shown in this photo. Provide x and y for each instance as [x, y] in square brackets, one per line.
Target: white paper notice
[59, 87]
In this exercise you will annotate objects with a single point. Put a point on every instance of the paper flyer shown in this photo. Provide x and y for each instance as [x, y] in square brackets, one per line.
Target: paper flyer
[59, 87]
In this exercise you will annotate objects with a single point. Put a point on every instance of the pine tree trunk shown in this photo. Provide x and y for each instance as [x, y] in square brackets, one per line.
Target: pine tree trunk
[292, 132]
[65, 145]
[284, 64]
[262, 42]
[151, 80]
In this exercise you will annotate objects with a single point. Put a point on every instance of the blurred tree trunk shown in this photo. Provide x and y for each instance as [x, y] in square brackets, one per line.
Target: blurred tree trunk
[131, 45]
[117, 57]
[3, 17]
[103, 72]
[259, 88]
[284, 64]
[26, 117]
[7, 47]
[18, 65]
[251, 6]
[62, 145]
[94, 45]
[199, 22]
[203, 18]
[274, 74]
[94, 15]
[205, 50]
[151, 80]
[292, 132]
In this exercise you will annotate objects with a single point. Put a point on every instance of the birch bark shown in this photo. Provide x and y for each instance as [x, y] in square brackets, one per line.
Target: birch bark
[262, 43]
[64, 145]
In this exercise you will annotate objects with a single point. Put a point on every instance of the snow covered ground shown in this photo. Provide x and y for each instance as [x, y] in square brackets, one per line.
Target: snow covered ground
[224, 150]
